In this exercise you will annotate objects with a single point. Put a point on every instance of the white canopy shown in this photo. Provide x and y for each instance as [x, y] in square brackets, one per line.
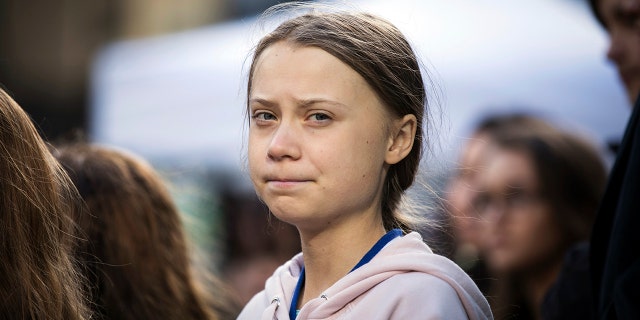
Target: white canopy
[180, 97]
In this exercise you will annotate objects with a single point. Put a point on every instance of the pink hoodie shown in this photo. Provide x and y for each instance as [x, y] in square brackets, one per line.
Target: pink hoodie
[405, 280]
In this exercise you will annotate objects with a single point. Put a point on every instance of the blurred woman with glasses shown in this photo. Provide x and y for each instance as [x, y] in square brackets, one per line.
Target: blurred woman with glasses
[537, 197]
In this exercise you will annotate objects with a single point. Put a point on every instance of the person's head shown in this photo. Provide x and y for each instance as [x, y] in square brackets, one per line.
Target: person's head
[136, 253]
[462, 186]
[339, 99]
[539, 194]
[621, 19]
[37, 274]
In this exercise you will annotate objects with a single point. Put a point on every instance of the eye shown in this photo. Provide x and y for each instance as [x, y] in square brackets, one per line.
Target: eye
[516, 198]
[481, 202]
[319, 117]
[630, 18]
[263, 116]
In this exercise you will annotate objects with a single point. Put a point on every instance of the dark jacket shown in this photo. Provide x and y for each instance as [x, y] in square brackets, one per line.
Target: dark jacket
[571, 297]
[615, 242]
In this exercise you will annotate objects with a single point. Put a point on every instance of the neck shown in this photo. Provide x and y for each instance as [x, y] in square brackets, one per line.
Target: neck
[330, 255]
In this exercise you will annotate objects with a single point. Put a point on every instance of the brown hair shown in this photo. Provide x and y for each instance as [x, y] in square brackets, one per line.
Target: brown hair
[379, 52]
[38, 279]
[136, 255]
[571, 172]
[571, 177]
[593, 4]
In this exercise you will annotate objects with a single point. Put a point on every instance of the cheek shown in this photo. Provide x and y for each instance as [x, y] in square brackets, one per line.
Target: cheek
[256, 153]
[352, 150]
[536, 238]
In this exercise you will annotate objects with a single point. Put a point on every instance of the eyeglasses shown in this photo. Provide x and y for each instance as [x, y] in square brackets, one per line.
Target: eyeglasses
[512, 200]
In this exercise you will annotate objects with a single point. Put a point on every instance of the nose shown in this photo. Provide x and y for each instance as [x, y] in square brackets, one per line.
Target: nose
[496, 213]
[284, 143]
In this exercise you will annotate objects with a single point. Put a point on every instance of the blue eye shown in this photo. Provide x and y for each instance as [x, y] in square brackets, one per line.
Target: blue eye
[263, 116]
[319, 117]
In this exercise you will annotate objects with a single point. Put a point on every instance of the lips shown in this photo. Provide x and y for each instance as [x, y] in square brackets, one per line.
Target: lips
[284, 179]
[279, 182]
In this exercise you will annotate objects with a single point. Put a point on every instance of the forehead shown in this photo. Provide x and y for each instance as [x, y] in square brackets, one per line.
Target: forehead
[308, 73]
[476, 149]
[509, 167]
[285, 57]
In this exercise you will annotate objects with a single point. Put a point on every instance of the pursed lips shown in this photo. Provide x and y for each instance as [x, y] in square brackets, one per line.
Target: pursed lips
[281, 182]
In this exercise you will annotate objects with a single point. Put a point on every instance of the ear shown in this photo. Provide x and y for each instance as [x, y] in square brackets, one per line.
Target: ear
[401, 141]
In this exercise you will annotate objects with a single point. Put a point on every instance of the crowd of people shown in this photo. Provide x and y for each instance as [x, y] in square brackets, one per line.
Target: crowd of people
[541, 229]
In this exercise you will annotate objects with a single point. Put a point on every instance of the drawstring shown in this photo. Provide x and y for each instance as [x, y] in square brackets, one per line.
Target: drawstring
[270, 312]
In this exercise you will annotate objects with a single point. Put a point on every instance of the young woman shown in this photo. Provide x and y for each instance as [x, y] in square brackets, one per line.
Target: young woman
[538, 194]
[336, 103]
[38, 279]
[468, 226]
[135, 252]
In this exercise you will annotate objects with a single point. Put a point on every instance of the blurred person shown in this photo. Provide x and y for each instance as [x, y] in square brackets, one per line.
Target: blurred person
[255, 244]
[332, 147]
[461, 188]
[538, 196]
[621, 19]
[38, 276]
[136, 252]
[615, 254]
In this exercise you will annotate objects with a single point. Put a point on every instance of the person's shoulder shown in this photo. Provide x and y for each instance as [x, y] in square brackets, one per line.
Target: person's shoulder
[419, 295]
[414, 284]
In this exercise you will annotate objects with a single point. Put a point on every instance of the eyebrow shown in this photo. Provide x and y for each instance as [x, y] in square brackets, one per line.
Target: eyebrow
[305, 103]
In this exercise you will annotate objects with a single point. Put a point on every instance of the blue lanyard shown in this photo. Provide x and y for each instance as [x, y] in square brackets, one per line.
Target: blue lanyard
[293, 313]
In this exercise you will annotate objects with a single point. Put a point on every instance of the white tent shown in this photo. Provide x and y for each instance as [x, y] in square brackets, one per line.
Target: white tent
[180, 97]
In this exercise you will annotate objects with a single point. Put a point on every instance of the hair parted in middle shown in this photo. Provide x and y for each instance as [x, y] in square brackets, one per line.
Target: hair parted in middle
[378, 51]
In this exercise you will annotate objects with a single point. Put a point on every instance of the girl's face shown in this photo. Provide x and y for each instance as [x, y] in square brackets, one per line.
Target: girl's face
[522, 231]
[318, 138]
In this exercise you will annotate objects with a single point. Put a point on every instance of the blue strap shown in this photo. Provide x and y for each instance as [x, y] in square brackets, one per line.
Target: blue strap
[377, 247]
[293, 308]
[293, 312]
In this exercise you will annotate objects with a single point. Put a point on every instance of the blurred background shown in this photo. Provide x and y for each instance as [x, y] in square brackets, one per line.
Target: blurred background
[164, 79]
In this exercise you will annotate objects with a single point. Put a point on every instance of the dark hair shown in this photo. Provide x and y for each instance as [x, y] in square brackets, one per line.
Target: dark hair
[571, 177]
[571, 172]
[136, 253]
[38, 278]
[379, 52]
[593, 4]
[504, 125]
